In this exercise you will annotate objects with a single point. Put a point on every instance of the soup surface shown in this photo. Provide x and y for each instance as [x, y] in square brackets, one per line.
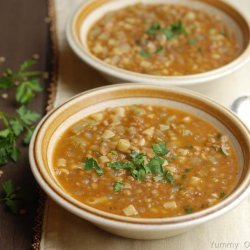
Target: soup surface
[145, 161]
[163, 40]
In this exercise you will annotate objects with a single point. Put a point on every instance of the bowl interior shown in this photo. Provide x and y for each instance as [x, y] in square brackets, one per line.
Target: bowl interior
[76, 109]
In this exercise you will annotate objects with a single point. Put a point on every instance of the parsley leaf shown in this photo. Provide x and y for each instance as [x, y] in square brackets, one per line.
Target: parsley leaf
[169, 177]
[118, 186]
[28, 117]
[121, 165]
[144, 53]
[9, 196]
[16, 126]
[5, 83]
[154, 28]
[155, 165]
[27, 84]
[16, 198]
[192, 41]
[138, 158]
[188, 210]
[159, 50]
[91, 163]
[160, 149]
[8, 187]
[26, 91]
[26, 65]
[222, 195]
[170, 31]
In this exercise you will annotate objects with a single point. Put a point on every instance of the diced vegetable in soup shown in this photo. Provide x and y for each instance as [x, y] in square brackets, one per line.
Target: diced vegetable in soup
[145, 161]
[163, 40]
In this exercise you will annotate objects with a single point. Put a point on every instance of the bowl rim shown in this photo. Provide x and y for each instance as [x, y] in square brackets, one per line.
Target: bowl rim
[94, 214]
[131, 76]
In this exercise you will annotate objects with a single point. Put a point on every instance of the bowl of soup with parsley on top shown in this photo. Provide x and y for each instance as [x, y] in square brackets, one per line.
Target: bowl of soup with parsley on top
[142, 156]
[160, 42]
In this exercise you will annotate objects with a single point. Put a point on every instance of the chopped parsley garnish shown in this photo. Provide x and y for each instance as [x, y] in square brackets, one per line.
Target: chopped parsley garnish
[121, 165]
[189, 147]
[192, 41]
[160, 149]
[188, 210]
[139, 165]
[118, 186]
[144, 53]
[222, 195]
[159, 50]
[91, 163]
[223, 33]
[169, 177]
[154, 28]
[170, 31]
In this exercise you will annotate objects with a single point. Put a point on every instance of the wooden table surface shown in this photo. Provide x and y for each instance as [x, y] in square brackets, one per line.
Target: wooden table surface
[24, 32]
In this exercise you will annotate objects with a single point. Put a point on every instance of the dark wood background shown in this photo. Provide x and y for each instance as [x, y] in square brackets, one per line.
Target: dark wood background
[24, 31]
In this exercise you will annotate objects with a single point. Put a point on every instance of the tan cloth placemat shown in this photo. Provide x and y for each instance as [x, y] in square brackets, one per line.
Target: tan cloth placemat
[62, 230]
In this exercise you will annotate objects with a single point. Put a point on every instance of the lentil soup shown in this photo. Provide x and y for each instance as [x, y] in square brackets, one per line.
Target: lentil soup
[163, 40]
[145, 161]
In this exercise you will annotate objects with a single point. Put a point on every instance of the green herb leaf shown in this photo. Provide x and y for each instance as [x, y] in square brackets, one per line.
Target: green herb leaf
[192, 41]
[154, 28]
[118, 186]
[15, 153]
[5, 83]
[16, 126]
[222, 195]
[8, 149]
[138, 158]
[169, 177]
[28, 117]
[160, 149]
[155, 165]
[121, 165]
[26, 91]
[28, 136]
[144, 53]
[27, 64]
[159, 50]
[8, 187]
[5, 133]
[174, 30]
[188, 210]
[91, 163]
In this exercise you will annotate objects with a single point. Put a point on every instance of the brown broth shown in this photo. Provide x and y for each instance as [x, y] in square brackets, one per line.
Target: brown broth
[201, 161]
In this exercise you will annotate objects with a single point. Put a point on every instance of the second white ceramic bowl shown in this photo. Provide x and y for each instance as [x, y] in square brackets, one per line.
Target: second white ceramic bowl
[89, 12]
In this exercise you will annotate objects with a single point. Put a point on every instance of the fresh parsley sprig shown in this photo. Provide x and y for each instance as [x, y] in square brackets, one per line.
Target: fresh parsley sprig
[13, 127]
[170, 31]
[25, 80]
[15, 198]
[22, 123]
[139, 165]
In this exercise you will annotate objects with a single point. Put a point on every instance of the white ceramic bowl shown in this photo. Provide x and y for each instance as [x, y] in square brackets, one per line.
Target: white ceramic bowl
[89, 12]
[57, 121]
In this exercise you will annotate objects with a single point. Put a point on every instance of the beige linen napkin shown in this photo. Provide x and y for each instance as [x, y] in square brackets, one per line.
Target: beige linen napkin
[62, 230]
